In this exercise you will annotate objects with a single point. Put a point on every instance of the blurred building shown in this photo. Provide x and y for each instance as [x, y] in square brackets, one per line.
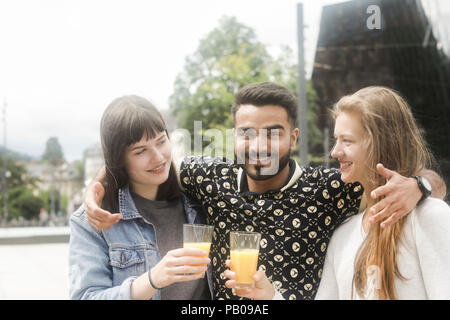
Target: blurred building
[93, 161]
[406, 54]
[67, 178]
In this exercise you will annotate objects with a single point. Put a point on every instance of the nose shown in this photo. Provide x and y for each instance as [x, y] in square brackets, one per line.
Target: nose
[259, 144]
[336, 152]
[157, 156]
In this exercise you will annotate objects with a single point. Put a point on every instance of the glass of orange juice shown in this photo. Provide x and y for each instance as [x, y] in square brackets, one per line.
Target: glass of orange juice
[197, 236]
[244, 251]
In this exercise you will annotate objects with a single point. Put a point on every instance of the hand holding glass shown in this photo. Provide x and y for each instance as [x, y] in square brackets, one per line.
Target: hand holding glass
[244, 251]
[197, 236]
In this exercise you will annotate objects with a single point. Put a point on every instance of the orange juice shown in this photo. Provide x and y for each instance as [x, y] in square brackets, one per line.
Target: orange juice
[199, 245]
[244, 263]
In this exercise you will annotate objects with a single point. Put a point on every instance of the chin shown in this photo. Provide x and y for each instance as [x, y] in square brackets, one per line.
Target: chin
[347, 178]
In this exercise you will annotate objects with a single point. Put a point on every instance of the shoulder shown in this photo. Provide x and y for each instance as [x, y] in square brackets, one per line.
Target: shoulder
[432, 213]
[202, 166]
[330, 179]
[321, 173]
[204, 161]
[79, 224]
[348, 226]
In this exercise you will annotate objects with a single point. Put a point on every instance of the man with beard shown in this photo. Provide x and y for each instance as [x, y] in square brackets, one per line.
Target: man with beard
[296, 209]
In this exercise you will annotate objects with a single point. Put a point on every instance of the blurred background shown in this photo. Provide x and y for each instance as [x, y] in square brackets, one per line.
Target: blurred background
[63, 62]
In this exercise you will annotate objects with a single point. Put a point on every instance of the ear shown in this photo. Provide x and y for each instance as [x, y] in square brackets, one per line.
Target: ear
[294, 136]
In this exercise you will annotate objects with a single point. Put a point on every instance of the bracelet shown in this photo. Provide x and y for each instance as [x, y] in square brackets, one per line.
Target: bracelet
[150, 280]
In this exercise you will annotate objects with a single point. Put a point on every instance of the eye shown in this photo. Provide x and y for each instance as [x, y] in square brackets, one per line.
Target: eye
[140, 152]
[273, 133]
[162, 141]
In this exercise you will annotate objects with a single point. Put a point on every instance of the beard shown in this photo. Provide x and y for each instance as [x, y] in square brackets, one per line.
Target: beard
[261, 173]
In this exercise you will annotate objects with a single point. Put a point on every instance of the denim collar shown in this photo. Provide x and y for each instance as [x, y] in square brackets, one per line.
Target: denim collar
[126, 204]
[129, 211]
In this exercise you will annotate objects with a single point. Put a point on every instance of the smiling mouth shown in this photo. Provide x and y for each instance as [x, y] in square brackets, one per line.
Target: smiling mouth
[345, 165]
[158, 169]
[260, 161]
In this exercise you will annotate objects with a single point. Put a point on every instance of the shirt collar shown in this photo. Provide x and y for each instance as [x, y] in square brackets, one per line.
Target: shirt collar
[295, 171]
[126, 204]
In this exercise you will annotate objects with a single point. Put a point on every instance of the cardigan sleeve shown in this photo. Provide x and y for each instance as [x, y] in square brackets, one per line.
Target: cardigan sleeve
[432, 236]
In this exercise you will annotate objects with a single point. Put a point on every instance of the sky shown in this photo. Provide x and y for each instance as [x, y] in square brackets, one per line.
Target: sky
[63, 61]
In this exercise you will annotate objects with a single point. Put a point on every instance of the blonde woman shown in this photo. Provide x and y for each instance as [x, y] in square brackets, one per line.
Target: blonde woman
[410, 259]
[407, 260]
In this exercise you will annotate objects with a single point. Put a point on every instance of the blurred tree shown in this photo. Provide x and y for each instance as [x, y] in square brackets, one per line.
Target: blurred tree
[53, 152]
[229, 57]
[24, 203]
[21, 201]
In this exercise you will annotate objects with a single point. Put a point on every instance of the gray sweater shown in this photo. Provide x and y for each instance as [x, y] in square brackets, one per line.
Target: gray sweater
[167, 218]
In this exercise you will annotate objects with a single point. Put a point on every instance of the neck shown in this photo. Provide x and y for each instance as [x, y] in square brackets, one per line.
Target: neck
[274, 183]
[145, 191]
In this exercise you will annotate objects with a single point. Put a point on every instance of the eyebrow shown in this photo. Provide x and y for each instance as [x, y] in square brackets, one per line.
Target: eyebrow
[343, 135]
[163, 135]
[274, 127]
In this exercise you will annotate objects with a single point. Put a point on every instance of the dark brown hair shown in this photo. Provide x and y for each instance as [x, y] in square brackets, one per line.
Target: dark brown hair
[125, 121]
[267, 93]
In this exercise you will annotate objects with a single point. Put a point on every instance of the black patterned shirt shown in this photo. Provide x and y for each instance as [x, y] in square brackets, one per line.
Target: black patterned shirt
[296, 221]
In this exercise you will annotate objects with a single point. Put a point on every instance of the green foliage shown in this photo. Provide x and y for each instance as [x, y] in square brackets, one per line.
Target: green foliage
[45, 195]
[21, 201]
[24, 203]
[229, 57]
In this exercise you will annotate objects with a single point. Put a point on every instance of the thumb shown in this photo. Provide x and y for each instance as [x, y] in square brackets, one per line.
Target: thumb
[384, 172]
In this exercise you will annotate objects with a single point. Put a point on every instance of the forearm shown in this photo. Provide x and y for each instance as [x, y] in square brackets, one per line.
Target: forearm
[439, 189]
[141, 288]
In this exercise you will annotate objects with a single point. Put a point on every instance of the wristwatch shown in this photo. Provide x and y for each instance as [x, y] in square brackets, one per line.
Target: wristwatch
[424, 186]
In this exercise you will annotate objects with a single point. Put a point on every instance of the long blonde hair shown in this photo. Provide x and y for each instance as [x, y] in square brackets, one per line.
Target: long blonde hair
[393, 139]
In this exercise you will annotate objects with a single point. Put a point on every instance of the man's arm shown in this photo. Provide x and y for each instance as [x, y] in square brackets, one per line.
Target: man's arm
[401, 195]
[439, 189]
[97, 217]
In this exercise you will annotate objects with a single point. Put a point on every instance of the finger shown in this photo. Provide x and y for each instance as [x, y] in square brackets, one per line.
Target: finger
[381, 215]
[230, 284]
[229, 274]
[381, 191]
[187, 269]
[259, 275]
[103, 224]
[181, 252]
[245, 293]
[105, 217]
[228, 263]
[95, 223]
[379, 206]
[190, 260]
[395, 217]
[384, 172]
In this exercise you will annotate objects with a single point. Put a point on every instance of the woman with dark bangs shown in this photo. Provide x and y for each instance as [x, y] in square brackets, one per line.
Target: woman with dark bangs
[142, 255]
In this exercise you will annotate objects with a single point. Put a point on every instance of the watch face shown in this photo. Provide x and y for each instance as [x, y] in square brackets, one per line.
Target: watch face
[426, 183]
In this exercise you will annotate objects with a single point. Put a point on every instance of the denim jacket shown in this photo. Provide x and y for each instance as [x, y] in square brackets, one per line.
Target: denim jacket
[103, 264]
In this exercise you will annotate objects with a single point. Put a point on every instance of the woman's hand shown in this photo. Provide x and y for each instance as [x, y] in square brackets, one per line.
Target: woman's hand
[263, 289]
[180, 265]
